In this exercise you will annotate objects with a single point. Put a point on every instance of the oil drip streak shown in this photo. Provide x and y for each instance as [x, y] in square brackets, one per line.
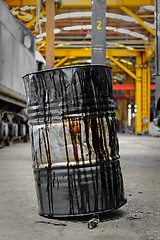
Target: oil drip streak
[69, 183]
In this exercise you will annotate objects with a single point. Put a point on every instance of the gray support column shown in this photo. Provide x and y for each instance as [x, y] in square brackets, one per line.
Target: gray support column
[98, 21]
[157, 62]
[157, 39]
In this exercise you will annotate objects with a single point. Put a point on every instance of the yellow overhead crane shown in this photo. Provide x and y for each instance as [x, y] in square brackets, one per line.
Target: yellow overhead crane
[83, 3]
[143, 55]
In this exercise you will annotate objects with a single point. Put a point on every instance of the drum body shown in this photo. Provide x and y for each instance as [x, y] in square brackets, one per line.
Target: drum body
[74, 141]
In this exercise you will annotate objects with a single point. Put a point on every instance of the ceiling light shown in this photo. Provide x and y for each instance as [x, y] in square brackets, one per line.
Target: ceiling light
[122, 30]
[130, 48]
[138, 35]
[125, 61]
[39, 40]
[27, 8]
[41, 35]
[15, 12]
[56, 30]
[73, 15]
[149, 7]
[111, 28]
[78, 27]
[44, 19]
[126, 31]
[149, 25]
[89, 14]
[44, 34]
[122, 17]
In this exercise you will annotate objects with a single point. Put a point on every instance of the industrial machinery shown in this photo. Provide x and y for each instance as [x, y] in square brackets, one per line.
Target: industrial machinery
[17, 57]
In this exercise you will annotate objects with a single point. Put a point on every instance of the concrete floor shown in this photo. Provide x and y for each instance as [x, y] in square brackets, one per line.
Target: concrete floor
[138, 219]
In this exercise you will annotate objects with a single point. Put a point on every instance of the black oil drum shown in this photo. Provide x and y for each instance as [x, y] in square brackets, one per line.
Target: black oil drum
[74, 141]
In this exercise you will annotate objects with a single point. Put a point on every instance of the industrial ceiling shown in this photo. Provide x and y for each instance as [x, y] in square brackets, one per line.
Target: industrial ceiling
[130, 28]
[130, 43]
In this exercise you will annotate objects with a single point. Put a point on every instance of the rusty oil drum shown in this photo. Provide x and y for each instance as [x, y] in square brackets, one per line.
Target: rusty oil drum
[74, 141]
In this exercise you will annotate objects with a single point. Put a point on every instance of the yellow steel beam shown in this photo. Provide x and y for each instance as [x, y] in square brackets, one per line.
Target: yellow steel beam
[129, 12]
[42, 45]
[149, 91]
[109, 3]
[20, 3]
[120, 113]
[149, 54]
[86, 52]
[146, 94]
[139, 94]
[32, 22]
[50, 26]
[83, 3]
[123, 67]
[144, 98]
[60, 62]
[25, 17]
